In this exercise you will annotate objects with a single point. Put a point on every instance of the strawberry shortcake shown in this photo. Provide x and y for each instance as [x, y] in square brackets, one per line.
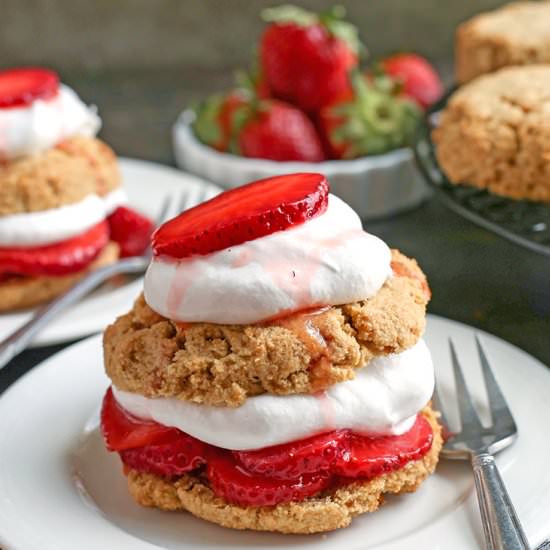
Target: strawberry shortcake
[273, 375]
[62, 207]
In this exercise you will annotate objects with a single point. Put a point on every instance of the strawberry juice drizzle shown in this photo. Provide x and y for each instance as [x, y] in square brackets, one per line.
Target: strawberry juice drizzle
[184, 276]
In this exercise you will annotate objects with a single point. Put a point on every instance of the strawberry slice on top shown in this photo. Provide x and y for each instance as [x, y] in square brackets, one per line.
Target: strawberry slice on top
[244, 214]
[22, 86]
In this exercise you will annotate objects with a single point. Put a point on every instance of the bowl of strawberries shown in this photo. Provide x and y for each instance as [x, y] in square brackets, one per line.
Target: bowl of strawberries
[309, 106]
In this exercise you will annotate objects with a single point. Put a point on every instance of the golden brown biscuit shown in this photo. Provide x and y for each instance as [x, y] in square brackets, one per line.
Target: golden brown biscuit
[21, 292]
[224, 364]
[516, 34]
[59, 176]
[333, 509]
[495, 133]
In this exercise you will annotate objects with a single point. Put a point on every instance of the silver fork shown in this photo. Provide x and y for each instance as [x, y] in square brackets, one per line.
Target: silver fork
[18, 340]
[478, 444]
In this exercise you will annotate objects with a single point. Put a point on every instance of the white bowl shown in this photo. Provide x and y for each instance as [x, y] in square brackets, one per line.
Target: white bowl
[374, 186]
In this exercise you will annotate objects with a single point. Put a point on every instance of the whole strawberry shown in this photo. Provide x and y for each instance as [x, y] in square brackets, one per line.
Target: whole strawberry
[214, 118]
[418, 78]
[275, 130]
[368, 120]
[305, 58]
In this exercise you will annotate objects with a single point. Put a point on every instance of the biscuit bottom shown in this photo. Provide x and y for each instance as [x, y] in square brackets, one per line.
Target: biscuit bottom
[23, 292]
[331, 509]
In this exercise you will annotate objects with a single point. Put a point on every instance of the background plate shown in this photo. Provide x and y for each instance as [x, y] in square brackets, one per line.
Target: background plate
[60, 489]
[147, 184]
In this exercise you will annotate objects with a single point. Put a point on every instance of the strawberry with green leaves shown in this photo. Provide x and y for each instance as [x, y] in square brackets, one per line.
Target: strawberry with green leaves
[275, 130]
[305, 57]
[214, 118]
[368, 120]
[418, 79]
[257, 128]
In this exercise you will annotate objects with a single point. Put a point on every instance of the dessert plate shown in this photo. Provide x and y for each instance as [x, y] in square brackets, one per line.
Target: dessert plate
[147, 184]
[60, 489]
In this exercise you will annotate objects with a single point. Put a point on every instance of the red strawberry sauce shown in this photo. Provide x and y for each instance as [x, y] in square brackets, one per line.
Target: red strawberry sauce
[282, 473]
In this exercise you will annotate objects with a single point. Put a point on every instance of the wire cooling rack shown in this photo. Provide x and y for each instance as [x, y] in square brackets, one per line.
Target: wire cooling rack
[524, 223]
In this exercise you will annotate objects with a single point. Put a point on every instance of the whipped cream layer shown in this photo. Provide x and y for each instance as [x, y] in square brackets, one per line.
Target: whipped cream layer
[31, 229]
[328, 260]
[383, 399]
[44, 123]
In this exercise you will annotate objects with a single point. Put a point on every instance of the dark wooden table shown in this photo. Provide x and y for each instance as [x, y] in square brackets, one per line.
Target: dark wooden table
[476, 277]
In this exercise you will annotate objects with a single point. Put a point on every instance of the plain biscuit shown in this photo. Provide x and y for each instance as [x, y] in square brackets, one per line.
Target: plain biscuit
[516, 34]
[495, 133]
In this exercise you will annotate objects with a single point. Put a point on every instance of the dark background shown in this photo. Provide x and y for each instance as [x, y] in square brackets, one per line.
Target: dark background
[142, 61]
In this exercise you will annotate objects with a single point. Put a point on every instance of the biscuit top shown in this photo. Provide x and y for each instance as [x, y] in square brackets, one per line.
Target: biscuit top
[60, 176]
[524, 23]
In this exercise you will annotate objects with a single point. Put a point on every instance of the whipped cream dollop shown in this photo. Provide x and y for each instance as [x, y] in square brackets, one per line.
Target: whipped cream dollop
[31, 229]
[44, 123]
[383, 399]
[328, 260]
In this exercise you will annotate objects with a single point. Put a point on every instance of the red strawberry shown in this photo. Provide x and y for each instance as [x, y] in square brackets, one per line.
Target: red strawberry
[305, 57]
[419, 79]
[373, 456]
[291, 460]
[243, 214]
[229, 481]
[277, 131]
[121, 430]
[215, 118]
[182, 453]
[22, 86]
[130, 230]
[61, 258]
[367, 120]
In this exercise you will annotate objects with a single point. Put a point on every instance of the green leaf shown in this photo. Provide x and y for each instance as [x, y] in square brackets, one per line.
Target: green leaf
[287, 13]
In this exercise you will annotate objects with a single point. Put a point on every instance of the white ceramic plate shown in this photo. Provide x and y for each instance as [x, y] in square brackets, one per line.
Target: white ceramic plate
[147, 184]
[60, 489]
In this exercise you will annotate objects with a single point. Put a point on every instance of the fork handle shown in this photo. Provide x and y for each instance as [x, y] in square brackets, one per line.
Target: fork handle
[18, 340]
[501, 525]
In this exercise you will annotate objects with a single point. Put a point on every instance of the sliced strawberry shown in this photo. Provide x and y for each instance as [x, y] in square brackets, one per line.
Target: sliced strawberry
[121, 430]
[61, 258]
[231, 482]
[130, 230]
[20, 87]
[419, 79]
[182, 453]
[290, 460]
[373, 456]
[243, 214]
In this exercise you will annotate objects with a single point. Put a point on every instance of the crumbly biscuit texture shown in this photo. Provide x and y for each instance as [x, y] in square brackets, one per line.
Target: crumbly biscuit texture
[516, 34]
[57, 177]
[224, 364]
[331, 510]
[495, 133]
[22, 292]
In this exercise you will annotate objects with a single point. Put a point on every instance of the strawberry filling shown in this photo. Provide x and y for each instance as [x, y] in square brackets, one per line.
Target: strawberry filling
[283, 473]
[129, 229]
[62, 258]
